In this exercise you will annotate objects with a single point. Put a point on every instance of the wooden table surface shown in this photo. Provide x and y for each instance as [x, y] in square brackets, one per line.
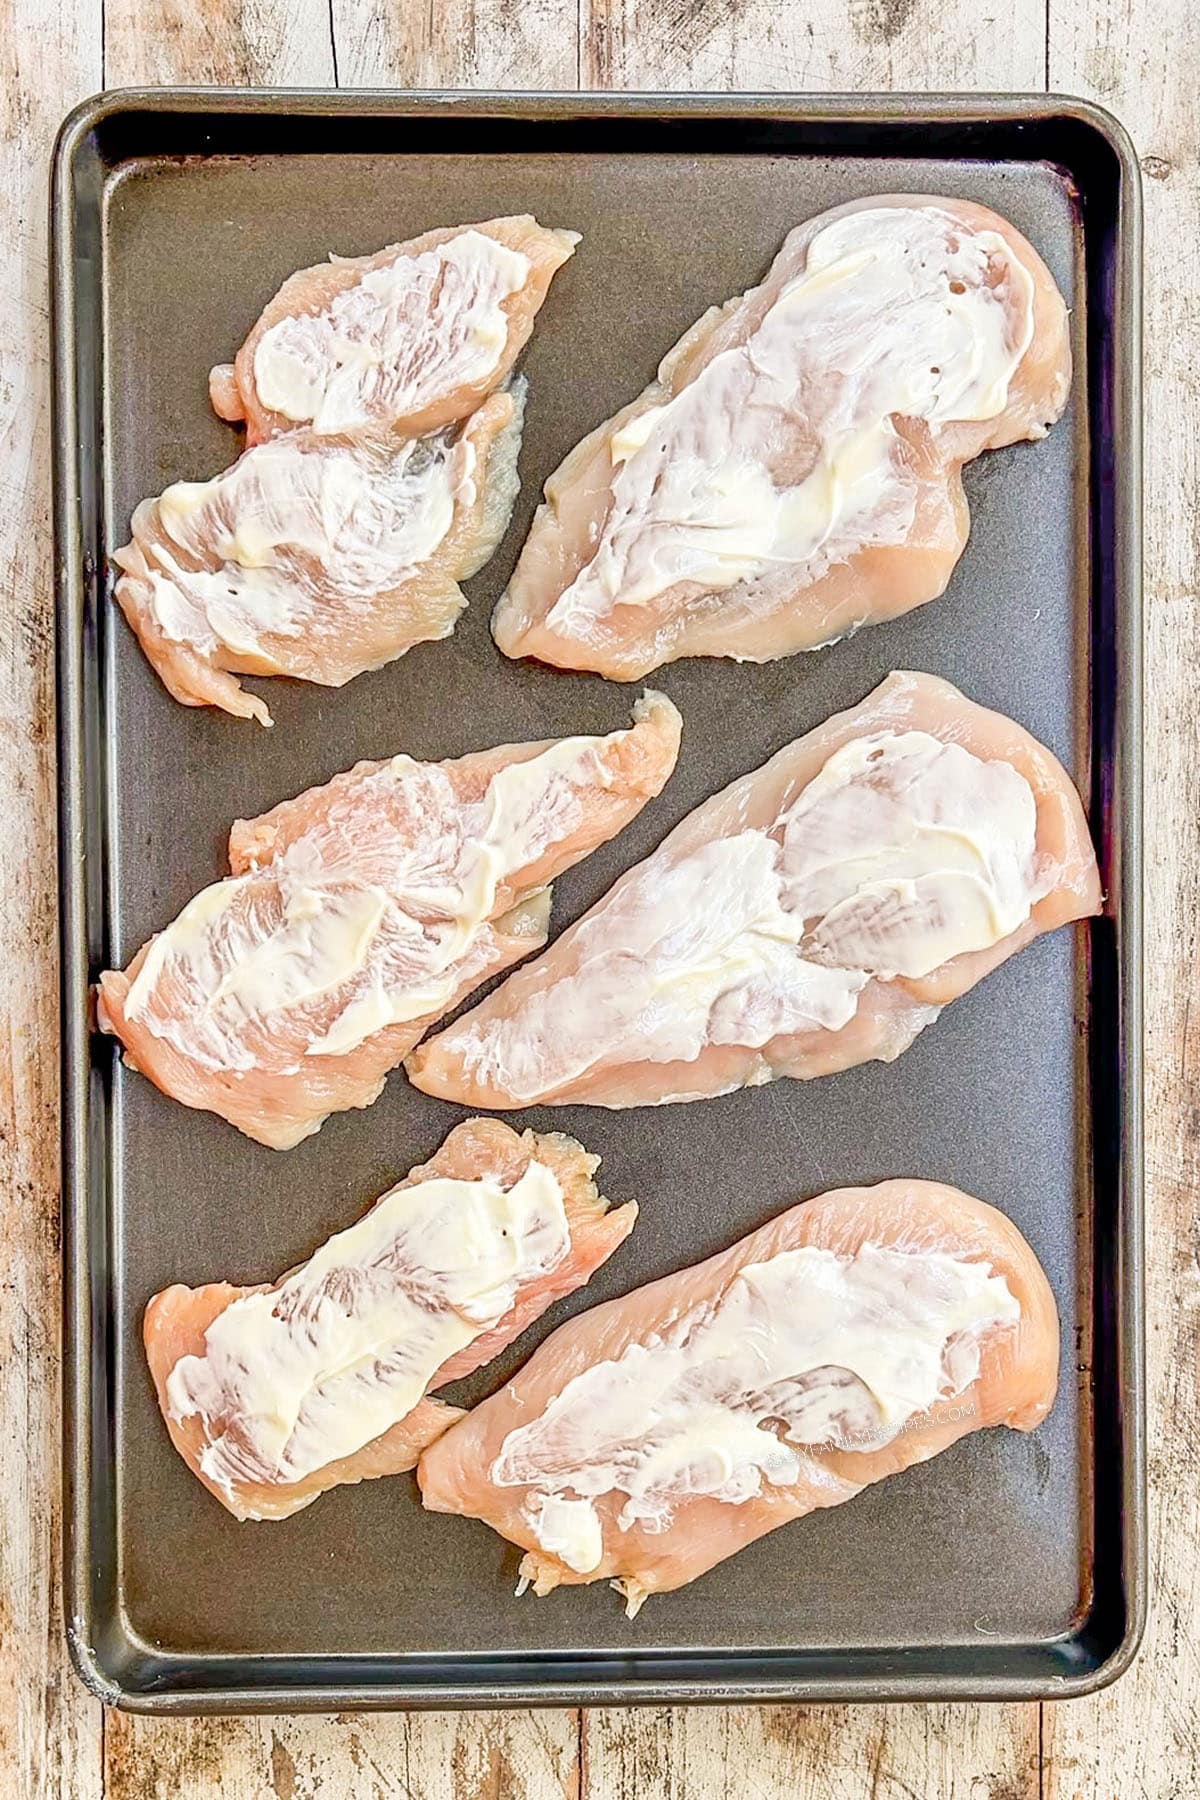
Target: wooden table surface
[1140, 1738]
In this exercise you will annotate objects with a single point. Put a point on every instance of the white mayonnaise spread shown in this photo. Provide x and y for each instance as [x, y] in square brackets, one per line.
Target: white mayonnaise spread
[404, 336]
[905, 852]
[300, 1375]
[376, 915]
[808, 1350]
[297, 535]
[900, 854]
[781, 453]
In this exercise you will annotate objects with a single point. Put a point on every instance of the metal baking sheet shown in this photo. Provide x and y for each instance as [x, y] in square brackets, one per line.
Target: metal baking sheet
[1011, 1565]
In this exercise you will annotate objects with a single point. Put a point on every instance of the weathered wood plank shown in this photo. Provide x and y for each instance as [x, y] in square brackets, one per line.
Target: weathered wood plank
[457, 43]
[825, 1753]
[1142, 1738]
[244, 43]
[49, 1729]
[431, 1756]
[821, 46]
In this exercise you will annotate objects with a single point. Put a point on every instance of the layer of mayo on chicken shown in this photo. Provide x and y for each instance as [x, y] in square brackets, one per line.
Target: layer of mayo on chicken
[902, 853]
[298, 1376]
[808, 1349]
[296, 535]
[397, 340]
[898, 311]
[329, 943]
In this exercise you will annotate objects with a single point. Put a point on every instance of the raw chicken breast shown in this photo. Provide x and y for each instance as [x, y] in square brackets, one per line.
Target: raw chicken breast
[794, 472]
[412, 338]
[316, 557]
[816, 914]
[652, 1437]
[357, 914]
[274, 1394]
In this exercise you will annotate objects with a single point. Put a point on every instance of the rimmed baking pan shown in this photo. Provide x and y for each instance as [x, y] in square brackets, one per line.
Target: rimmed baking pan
[1009, 1566]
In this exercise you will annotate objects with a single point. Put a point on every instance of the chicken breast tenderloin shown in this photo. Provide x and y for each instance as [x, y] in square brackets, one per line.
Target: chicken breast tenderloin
[655, 1435]
[316, 557]
[794, 471]
[381, 469]
[358, 913]
[411, 338]
[272, 1395]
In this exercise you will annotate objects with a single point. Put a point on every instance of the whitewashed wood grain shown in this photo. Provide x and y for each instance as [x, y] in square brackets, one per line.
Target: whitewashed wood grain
[272, 43]
[817, 46]
[1140, 1740]
[49, 1729]
[365, 1756]
[457, 43]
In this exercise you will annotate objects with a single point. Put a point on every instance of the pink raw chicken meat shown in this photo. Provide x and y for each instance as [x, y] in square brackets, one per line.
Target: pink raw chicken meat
[411, 338]
[221, 1445]
[816, 914]
[360, 912]
[795, 470]
[653, 1436]
[316, 557]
